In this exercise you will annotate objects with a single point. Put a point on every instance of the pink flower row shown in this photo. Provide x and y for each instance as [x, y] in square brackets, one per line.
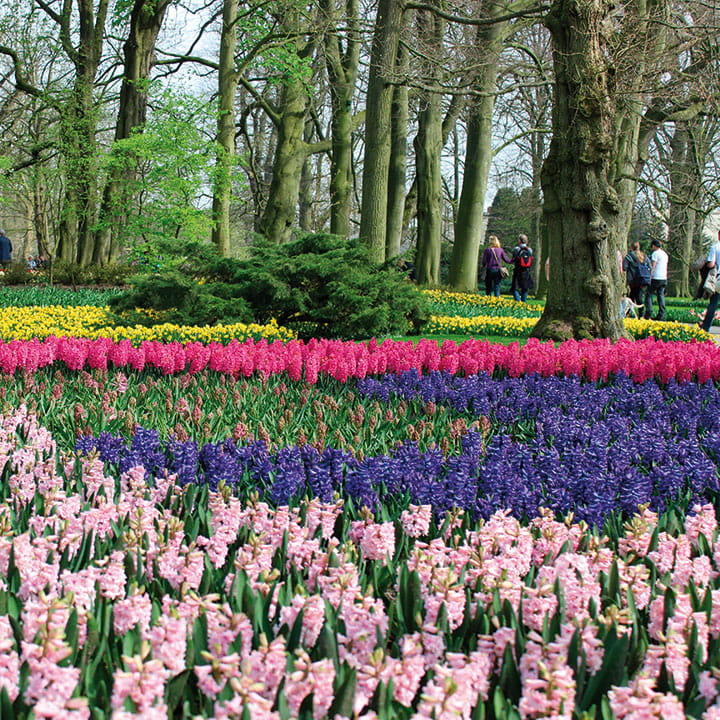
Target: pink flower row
[497, 561]
[593, 360]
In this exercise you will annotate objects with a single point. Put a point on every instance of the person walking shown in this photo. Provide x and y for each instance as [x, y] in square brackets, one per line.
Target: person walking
[658, 281]
[522, 258]
[5, 249]
[712, 261]
[492, 260]
[637, 269]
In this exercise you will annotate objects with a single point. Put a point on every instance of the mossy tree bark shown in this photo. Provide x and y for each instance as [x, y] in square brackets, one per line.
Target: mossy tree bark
[428, 149]
[290, 119]
[146, 19]
[397, 173]
[685, 190]
[342, 68]
[290, 153]
[78, 124]
[478, 155]
[588, 175]
[225, 161]
[378, 126]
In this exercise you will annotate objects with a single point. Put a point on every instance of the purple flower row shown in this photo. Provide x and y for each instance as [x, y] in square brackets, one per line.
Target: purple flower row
[550, 442]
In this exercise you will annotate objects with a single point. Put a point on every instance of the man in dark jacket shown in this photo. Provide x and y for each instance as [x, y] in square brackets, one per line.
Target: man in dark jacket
[5, 249]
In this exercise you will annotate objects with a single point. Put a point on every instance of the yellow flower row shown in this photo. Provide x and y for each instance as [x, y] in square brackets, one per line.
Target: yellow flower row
[665, 330]
[24, 323]
[445, 296]
[480, 325]
[521, 327]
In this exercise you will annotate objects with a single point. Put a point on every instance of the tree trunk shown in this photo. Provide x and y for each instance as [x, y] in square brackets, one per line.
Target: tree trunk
[582, 208]
[82, 165]
[342, 68]
[225, 159]
[685, 188]
[378, 127]
[449, 123]
[478, 156]
[145, 22]
[306, 216]
[428, 147]
[280, 211]
[397, 170]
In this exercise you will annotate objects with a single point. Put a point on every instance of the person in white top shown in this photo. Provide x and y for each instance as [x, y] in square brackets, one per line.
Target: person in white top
[658, 281]
[712, 261]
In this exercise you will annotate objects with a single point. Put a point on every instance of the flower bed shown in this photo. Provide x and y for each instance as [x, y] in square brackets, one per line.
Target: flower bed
[148, 599]
[91, 322]
[508, 326]
[591, 360]
[522, 444]
[359, 530]
[474, 314]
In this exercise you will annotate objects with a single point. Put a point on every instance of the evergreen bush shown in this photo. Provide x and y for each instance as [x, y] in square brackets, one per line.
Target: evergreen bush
[114, 273]
[177, 298]
[63, 272]
[17, 273]
[321, 285]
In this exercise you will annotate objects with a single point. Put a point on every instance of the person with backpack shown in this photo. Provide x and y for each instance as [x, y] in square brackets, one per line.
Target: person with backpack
[636, 266]
[522, 259]
[658, 281]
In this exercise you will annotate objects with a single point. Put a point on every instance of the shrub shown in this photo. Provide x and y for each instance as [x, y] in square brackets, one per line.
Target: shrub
[320, 285]
[17, 274]
[63, 272]
[114, 273]
[176, 298]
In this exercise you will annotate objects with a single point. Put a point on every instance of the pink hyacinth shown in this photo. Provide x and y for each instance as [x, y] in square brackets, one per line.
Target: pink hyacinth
[377, 541]
[50, 690]
[341, 585]
[265, 667]
[143, 682]
[323, 515]
[640, 701]
[593, 360]
[416, 520]
[364, 622]
[112, 579]
[313, 609]
[551, 693]
[9, 660]
[310, 678]
[131, 611]
[708, 686]
[168, 638]
[454, 689]
[702, 521]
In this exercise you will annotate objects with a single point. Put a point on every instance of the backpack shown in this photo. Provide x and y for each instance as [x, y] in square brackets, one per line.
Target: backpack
[524, 258]
[643, 273]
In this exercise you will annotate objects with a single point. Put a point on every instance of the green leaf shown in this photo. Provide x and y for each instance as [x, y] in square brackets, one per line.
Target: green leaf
[175, 689]
[293, 641]
[510, 676]
[200, 638]
[7, 711]
[612, 588]
[344, 695]
[612, 670]
[71, 633]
